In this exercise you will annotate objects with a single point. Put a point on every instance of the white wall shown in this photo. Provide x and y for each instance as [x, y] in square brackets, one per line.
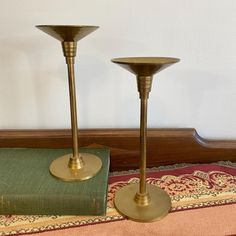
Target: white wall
[199, 92]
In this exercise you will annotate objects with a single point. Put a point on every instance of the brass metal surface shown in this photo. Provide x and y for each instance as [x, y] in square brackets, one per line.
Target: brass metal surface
[157, 207]
[145, 66]
[74, 167]
[60, 169]
[144, 203]
[67, 33]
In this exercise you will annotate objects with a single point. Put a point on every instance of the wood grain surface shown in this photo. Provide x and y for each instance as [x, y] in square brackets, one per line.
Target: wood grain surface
[164, 146]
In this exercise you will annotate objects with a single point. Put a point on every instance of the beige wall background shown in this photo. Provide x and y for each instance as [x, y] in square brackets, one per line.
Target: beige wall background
[198, 92]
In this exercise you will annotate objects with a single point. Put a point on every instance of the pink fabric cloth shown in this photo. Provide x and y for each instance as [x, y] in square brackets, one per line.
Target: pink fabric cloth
[217, 221]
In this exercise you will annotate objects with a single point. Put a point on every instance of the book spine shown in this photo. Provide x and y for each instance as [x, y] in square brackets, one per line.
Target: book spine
[51, 205]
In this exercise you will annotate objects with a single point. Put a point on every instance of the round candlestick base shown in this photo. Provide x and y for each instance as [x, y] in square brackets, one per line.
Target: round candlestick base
[60, 169]
[159, 206]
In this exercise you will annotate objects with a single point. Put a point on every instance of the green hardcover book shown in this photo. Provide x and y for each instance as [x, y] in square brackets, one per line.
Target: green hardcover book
[27, 187]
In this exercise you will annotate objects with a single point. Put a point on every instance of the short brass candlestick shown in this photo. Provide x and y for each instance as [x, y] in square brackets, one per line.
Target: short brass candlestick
[76, 166]
[143, 202]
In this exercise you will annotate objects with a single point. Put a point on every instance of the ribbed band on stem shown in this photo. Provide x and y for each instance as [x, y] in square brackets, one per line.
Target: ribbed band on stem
[144, 86]
[69, 51]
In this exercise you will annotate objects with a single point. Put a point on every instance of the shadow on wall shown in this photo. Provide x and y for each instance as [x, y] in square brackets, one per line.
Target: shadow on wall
[192, 98]
[26, 87]
[34, 91]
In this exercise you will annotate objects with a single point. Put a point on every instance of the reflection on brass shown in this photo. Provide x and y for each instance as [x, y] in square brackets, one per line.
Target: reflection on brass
[59, 167]
[144, 203]
[77, 166]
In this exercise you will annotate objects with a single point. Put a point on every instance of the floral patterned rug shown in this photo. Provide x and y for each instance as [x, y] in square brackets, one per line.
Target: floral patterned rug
[189, 186]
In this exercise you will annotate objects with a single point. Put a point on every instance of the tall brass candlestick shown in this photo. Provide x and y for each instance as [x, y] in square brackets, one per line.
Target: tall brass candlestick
[143, 202]
[76, 166]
